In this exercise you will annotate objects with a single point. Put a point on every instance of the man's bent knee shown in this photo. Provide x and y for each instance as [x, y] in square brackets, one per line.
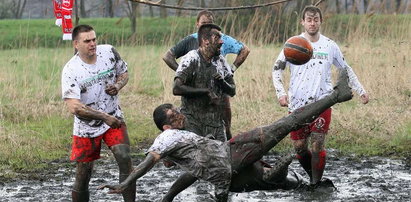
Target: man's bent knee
[300, 146]
[317, 141]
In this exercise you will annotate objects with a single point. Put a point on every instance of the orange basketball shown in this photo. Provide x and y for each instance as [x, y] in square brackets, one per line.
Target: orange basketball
[298, 50]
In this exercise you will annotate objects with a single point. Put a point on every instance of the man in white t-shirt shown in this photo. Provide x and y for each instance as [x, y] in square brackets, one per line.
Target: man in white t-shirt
[309, 83]
[91, 81]
[233, 165]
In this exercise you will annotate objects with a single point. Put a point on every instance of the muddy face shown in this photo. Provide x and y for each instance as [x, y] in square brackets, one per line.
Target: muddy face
[176, 119]
[215, 43]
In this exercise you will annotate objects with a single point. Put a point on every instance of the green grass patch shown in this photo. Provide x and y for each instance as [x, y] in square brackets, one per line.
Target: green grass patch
[34, 33]
[27, 144]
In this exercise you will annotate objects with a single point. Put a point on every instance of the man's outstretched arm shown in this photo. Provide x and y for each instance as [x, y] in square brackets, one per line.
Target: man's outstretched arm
[241, 57]
[151, 159]
[170, 59]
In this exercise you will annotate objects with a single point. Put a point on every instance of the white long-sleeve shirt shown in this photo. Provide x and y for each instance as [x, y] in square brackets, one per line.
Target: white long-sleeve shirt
[312, 81]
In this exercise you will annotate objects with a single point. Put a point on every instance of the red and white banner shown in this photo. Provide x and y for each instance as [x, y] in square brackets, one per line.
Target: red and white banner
[62, 11]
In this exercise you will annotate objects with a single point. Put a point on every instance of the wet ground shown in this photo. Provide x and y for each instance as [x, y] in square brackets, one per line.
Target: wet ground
[356, 179]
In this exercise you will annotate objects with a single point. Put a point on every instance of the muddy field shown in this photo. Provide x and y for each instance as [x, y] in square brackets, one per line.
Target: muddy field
[356, 179]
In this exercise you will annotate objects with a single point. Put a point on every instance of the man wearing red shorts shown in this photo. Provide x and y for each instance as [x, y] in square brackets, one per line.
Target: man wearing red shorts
[91, 81]
[308, 83]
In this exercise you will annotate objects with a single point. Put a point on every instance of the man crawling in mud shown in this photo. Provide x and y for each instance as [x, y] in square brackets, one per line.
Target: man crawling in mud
[228, 165]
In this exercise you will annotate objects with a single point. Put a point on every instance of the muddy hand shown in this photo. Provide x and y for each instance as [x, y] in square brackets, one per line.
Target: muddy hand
[283, 100]
[218, 77]
[168, 164]
[365, 98]
[112, 89]
[113, 122]
[213, 97]
[114, 189]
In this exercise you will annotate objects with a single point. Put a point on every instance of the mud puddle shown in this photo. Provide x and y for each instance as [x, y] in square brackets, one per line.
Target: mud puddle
[364, 179]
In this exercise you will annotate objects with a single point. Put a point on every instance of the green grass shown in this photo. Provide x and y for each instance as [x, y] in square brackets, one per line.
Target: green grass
[34, 33]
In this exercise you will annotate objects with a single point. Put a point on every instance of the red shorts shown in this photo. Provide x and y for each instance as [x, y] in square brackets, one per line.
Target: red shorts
[88, 149]
[319, 125]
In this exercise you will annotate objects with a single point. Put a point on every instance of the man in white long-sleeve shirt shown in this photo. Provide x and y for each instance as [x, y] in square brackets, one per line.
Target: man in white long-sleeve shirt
[309, 83]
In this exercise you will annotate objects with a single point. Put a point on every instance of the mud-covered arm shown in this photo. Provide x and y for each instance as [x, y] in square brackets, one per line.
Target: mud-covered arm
[181, 89]
[241, 57]
[121, 81]
[227, 84]
[170, 59]
[151, 159]
[278, 69]
[85, 112]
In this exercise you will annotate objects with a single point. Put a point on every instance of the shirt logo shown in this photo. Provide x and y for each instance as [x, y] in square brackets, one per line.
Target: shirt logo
[320, 56]
[97, 78]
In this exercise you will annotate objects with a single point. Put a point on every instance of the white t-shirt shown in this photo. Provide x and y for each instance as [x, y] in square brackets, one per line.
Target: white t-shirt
[202, 157]
[312, 81]
[88, 82]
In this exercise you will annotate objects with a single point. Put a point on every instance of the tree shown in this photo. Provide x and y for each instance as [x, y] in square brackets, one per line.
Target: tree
[109, 8]
[133, 11]
[76, 13]
[163, 11]
[15, 8]
[83, 12]
[179, 3]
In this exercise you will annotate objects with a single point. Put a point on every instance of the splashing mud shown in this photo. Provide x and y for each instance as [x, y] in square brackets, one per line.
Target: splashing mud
[358, 179]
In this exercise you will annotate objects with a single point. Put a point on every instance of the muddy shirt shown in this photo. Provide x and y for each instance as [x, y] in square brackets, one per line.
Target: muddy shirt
[202, 157]
[312, 81]
[195, 72]
[88, 82]
[189, 43]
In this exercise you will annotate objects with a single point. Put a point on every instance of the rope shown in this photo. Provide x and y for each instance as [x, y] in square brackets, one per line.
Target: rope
[210, 9]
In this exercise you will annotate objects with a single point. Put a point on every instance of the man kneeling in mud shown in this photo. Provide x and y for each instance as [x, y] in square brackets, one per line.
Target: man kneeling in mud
[224, 164]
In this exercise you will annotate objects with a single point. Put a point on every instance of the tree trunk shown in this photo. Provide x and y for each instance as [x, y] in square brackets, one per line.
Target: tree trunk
[180, 4]
[83, 13]
[163, 11]
[76, 13]
[21, 8]
[337, 4]
[133, 17]
[109, 9]
[150, 8]
[17, 8]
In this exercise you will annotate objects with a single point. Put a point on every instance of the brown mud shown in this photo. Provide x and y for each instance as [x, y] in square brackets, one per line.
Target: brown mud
[356, 179]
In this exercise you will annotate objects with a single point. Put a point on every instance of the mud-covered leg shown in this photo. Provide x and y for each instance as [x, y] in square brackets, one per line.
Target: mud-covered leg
[122, 155]
[303, 155]
[80, 191]
[178, 186]
[279, 170]
[318, 157]
[274, 133]
[227, 117]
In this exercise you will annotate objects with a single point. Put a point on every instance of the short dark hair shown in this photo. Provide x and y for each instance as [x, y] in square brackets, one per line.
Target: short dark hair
[312, 9]
[80, 29]
[206, 13]
[160, 115]
[204, 32]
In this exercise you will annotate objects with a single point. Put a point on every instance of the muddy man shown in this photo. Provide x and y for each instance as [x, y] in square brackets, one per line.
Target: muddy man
[222, 163]
[91, 81]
